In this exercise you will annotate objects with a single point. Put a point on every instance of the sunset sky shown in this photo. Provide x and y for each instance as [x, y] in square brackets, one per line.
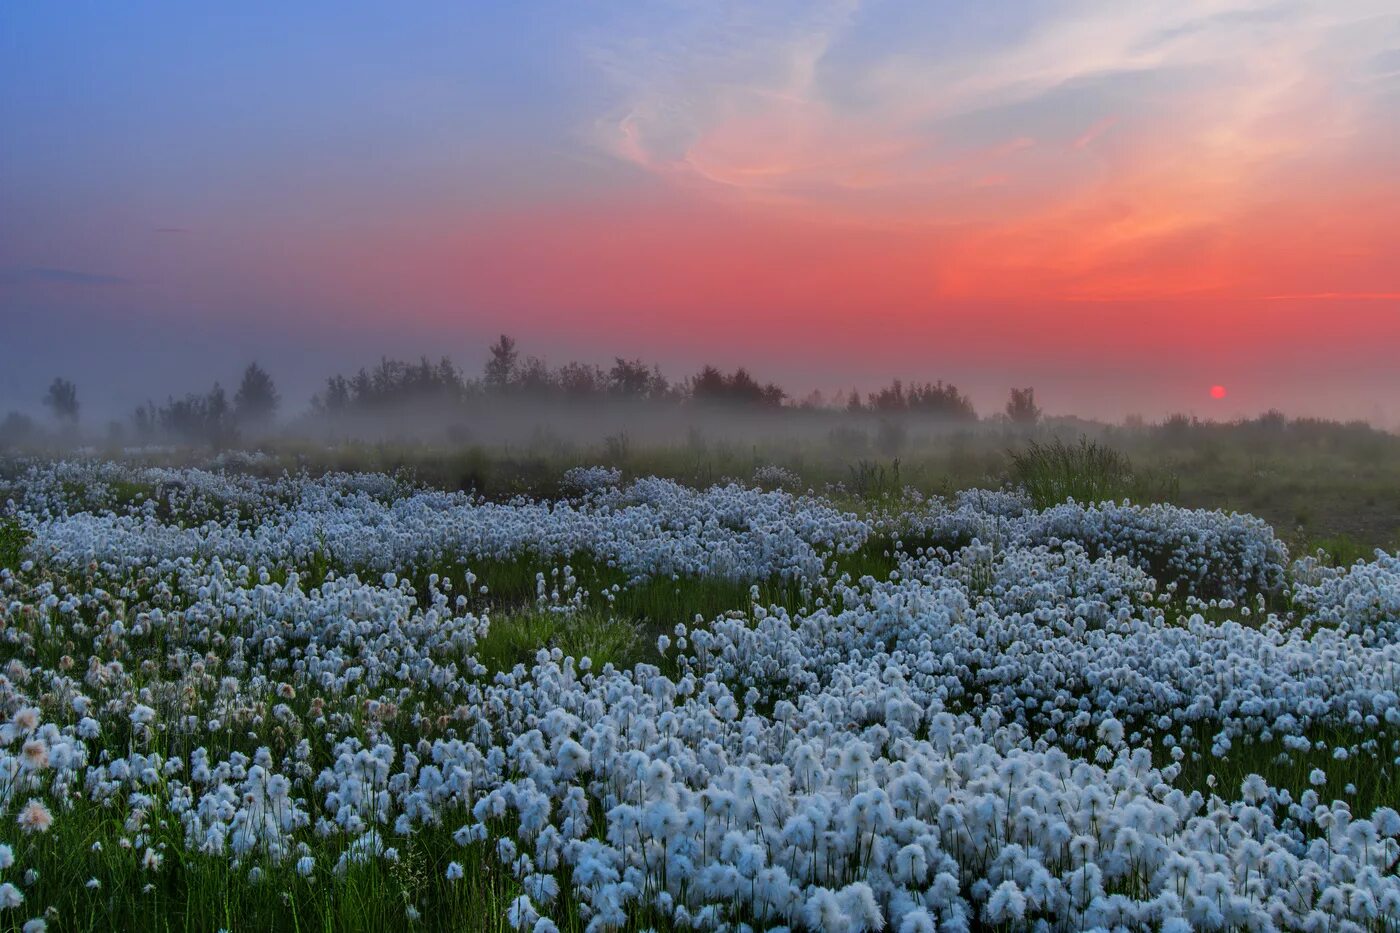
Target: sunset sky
[1124, 204]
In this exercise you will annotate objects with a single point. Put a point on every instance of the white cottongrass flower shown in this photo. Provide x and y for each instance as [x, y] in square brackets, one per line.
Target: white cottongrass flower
[1007, 904]
[1110, 732]
[34, 817]
[939, 747]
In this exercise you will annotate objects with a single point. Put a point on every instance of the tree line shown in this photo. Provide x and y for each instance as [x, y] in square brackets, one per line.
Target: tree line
[215, 418]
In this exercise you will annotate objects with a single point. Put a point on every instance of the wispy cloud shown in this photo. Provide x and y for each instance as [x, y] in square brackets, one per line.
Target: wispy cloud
[1090, 138]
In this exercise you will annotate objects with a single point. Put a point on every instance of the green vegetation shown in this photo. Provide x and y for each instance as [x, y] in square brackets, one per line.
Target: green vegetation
[90, 864]
[596, 635]
[1318, 483]
[1085, 471]
[94, 862]
[13, 537]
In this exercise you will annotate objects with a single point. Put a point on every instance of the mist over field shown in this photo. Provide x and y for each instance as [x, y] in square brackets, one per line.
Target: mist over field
[161, 357]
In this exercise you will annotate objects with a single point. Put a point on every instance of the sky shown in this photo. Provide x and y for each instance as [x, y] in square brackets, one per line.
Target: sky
[1121, 204]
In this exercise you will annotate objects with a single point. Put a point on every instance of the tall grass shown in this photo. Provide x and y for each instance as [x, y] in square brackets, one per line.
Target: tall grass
[13, 537]
[1085, 471]
[601, 637]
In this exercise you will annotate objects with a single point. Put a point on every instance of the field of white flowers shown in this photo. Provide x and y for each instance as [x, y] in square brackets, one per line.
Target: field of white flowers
[348, 702]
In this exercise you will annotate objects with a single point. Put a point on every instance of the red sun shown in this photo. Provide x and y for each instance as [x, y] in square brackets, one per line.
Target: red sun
[1217, 391]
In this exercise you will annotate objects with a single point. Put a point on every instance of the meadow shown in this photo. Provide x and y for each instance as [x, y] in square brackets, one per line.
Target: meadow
[970, 680]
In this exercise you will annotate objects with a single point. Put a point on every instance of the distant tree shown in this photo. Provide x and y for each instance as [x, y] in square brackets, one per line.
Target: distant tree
[533, 377]
[216, 404]
[256, 400]
[501, 364]
[62, 400]
[635, 379]
[392, 383]
[1176, 426]
[581, 381]
[890, 398]
[335, 398]
[739, 387]
[145, 421]
[853, 402]
[448, 375]
[362, 387]
[17, 428]
[943, 400]
[743, 387]
[1021, 407]
[708, 385]
[931, 398]
[194, 419]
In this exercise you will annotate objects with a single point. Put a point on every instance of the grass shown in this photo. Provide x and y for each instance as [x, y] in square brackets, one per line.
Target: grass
[190, 891]
[1312, 480]
[623, 631]
[597, 635]
[1340, 550]
[13, 537]
[1375, 781]
[1087, 471]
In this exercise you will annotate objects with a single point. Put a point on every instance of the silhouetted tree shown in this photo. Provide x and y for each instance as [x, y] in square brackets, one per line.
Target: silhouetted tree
[943, 400]
[1021, 407]
[533, 377]
[194, 419]
[335, 399]
[711, 385]
[1178, 425]
[501, 364]
[581, 381]
[144, 421]
[392, 383]
[708, 384]
[635, 379]
[890, 398]
[17, 428]
[256, 400]
[62, 400]
[931, 398]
